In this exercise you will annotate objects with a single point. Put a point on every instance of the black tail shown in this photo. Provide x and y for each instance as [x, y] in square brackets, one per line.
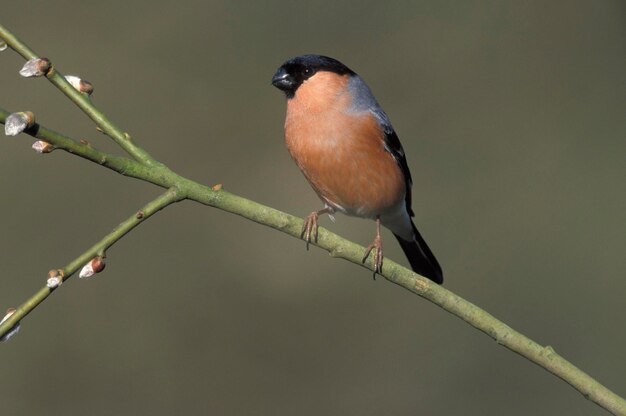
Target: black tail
[422, 260]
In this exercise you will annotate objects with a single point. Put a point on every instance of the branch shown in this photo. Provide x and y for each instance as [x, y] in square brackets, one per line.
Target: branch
[170, 196]
[82, 101]
[80, 148]
[145, 168]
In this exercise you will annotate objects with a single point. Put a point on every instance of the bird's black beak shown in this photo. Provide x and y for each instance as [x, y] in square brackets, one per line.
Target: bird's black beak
[282, 80]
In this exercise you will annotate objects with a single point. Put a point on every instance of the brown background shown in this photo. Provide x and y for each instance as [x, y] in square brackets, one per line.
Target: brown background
[512, 115]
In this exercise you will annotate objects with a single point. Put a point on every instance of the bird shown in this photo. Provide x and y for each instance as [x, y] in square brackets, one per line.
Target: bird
[347, 149]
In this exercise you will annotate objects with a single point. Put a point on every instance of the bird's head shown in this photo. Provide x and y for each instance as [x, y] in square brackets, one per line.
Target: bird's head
[296, 71]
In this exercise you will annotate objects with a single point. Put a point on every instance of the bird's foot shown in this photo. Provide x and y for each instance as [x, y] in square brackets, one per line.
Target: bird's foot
[310, 227]
[376, 245]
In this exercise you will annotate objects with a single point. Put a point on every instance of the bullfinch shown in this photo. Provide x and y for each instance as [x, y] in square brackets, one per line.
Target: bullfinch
[345, 145]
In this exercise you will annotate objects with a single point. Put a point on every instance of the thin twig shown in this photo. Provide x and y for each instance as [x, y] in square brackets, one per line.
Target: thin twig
[82, 101]
[169, 197]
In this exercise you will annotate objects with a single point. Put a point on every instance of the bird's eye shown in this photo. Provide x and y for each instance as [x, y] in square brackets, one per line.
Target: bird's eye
[308, 72]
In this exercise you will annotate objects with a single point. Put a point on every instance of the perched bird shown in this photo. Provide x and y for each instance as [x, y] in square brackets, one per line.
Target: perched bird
[344, 144]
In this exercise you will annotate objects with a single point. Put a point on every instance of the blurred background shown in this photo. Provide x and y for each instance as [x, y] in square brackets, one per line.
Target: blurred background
[512, 115]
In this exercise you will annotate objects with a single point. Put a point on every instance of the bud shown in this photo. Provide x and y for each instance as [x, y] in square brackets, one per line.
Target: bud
[18, 122]
[35, 67]
[11, 331]
[3, 45]
[53, 282]
[80, 84]
[95, 265]
[55, 279]
[41, 146]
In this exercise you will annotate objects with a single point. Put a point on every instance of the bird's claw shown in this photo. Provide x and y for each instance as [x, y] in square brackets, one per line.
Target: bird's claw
[377, 244]
[310, 227]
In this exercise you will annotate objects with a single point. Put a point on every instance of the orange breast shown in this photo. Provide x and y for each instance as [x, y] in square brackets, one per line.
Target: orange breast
[342, 153]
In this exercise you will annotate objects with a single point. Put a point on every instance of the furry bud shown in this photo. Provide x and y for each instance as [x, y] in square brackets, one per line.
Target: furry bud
[35, 67]
[18, 122]
[11, 331]
[95, 265]
[80, 84]
[55, 279]
[41, 146]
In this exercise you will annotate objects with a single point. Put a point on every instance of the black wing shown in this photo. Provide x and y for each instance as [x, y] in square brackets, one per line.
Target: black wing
[394, 147]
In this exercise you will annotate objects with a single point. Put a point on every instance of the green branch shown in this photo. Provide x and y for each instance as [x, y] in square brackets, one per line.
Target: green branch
[83, 149]
[82, 101]
[170, 196]
[145, 168]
